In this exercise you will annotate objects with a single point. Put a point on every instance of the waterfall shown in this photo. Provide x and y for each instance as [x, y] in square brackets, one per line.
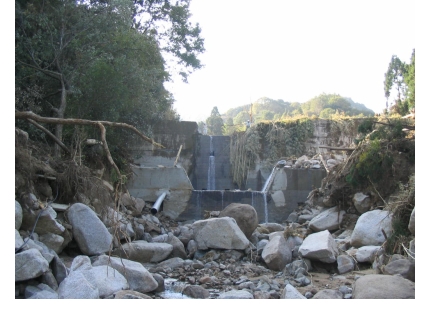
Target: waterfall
[268, 181]
[264, 190]
[266, 212]
[222, 199]
[211, 168]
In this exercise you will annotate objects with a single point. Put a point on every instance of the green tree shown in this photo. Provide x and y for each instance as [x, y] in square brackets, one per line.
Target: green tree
[394, 79]
[410, 82]
[169, 22]
[57, 41]
[215, 123]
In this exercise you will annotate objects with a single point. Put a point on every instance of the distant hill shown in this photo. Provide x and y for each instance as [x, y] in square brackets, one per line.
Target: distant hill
[323, 106]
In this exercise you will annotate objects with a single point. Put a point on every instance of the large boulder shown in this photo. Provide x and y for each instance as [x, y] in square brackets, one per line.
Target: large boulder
[369, 226]
[46, 221]
[276, 254]
[138, 277]
[29, 264]
[319, 246]
[383, 287]
[329, 219]
[219, 233]
[90, 233]
[403, 267]
[144, 252]
[245, 215]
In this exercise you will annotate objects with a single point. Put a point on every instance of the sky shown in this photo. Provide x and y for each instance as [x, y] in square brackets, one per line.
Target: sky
[294, 51]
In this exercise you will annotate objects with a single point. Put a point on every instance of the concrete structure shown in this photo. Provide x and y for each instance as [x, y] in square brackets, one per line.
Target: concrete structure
[217, 148]
[149, 183]
[188, 196]
[289, 188]
[172, 135]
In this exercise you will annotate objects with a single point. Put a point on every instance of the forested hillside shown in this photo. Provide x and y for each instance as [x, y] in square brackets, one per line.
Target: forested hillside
[323, 106]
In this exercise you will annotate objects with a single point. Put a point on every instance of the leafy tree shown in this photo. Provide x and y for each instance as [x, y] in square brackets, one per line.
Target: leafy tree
[395, 79]
[327, 113]
[215, 123]
[57, 41]
[101, 59]
[410, 82]
[229, 127]
[169, 22]
[241, 118]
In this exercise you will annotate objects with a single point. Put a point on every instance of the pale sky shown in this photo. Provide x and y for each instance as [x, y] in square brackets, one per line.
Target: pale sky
[294, 51]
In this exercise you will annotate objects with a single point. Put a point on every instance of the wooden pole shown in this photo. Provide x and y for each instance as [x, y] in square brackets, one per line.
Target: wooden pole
[177, 156]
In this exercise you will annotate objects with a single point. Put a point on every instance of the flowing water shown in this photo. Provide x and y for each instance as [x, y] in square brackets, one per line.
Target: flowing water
[211, 168]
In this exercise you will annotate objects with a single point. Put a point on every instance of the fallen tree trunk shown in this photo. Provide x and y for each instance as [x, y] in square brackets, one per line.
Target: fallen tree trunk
[35, 117]
[32, 117]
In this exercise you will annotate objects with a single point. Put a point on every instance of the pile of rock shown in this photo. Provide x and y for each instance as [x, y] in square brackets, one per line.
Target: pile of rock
[79, 252]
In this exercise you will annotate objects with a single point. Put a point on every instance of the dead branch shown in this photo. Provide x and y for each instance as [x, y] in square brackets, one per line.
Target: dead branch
[337, 148]
[52, 136]
[107, 151]
[35, 117]
[409, 127]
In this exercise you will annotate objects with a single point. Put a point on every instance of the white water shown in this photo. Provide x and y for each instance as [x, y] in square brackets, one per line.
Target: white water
[266, 211]
[269, 179]
[173, 289]
[211, 168]
[265, 188]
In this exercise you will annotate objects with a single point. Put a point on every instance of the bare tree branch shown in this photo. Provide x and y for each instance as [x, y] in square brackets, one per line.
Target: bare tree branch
[35, 117]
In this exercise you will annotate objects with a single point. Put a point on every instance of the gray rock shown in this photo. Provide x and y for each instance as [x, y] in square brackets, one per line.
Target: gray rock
[196, 292]
[19, 242]
[383, 287]
[106, 279]
[368, 229]
[319, 246]
[329, 219]
[138, 277]
[219, 233]
[90, 233]
[272, 227]
[29, 264]
[160, 281]
[403, 267]
[41, 291]
[130, 294]
[328, 294]
[77, 286]
[172, 263]
[186, 234]
[290, 292]
[52, 241]
[18, 215]
[236, 294]
[144, 252]
[345, 264]
[178, 247]
[45, 224]
[366, 254]
[245, 215]
[260, 246]
[276, 254]
[362, 202]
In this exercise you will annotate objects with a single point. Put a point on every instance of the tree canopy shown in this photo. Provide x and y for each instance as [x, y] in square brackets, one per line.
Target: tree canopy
[102, 59]
[215, 123]
[400, 78]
